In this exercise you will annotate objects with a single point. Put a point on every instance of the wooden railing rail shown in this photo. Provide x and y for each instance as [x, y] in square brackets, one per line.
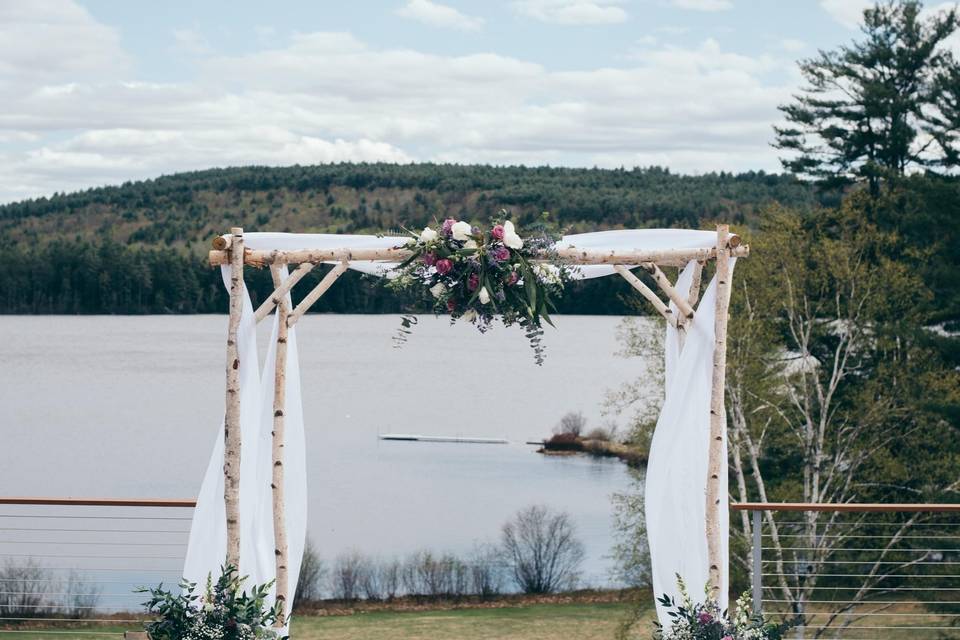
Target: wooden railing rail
[848, 507]
[102, 502]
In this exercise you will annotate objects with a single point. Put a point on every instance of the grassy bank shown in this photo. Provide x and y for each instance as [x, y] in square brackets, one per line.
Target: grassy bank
[566, 444]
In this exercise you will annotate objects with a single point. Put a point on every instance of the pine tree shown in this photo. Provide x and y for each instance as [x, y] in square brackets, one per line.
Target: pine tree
[881, 106]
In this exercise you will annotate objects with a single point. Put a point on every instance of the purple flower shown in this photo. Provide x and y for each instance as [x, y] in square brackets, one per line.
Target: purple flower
[448, 226]
[498, 232]
[705, 618]
[501, 254]
[430, 259]
[443, 266]
[473, 282]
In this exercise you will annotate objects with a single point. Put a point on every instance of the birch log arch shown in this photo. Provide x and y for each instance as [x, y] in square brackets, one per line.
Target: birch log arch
[257, 470]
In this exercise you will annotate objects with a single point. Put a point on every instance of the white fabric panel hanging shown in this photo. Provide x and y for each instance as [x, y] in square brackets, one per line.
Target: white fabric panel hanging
[676, 480]
[207, 545]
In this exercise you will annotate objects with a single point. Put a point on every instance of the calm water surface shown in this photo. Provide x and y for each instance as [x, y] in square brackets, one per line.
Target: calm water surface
[129, 407]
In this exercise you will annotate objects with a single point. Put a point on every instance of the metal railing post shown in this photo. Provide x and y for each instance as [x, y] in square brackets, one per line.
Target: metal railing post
[757, 574]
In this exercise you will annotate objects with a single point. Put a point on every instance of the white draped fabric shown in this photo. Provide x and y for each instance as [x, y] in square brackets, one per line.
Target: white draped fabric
[676, 473]
[675, 491]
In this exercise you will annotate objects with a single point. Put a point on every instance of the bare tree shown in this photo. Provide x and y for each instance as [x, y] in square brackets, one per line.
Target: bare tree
[572, 423]
[486, 574]
[391, 578]
[371, 580]
[348, 575]
[542, 549]
[312, 573]
[23, 590]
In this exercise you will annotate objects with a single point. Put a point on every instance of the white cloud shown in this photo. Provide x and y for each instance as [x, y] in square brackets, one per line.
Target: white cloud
[439, 15]
[46, 40]
[703, 5]
[190, 42]
[793, 45]
[572, 12]
[321, 97]
[849, 13]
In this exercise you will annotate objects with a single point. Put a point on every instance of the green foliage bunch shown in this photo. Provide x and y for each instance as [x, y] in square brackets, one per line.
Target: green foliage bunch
[706, 621]
[224, 611]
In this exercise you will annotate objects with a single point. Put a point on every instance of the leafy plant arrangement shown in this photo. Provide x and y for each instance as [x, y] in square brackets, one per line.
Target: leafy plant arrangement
[478, 275]
[705, 621]
[224, 611]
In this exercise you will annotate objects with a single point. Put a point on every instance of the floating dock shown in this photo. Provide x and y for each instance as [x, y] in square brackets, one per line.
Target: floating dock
[467, 440]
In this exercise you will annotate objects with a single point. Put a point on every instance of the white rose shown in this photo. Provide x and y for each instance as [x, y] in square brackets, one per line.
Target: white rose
[470, 315]
[484, 296]
[470, 244]
[427, 235]
[513, 241]
[461, 231]
[510, 237]
[438, 290]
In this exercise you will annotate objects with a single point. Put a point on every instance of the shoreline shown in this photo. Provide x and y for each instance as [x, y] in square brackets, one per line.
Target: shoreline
[630, 455]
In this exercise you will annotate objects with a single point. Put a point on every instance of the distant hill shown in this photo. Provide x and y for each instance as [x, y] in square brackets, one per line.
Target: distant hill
[139, 247]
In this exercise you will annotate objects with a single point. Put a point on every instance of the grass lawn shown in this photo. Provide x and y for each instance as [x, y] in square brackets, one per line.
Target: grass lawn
[533, 622]
[582, 621]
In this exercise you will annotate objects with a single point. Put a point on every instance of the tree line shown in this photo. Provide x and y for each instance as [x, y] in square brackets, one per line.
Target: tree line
[538, 552]
[140, 247]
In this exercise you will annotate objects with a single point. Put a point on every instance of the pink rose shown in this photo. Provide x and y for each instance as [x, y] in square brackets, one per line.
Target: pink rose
[451, 306]
[501, 254]
[429, 259]
[705, 618]
[497, 232]
[444, 266]
[473, 282]
[448, 226]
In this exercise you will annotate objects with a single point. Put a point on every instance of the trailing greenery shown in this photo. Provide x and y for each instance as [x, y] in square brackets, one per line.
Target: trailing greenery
[140, 247]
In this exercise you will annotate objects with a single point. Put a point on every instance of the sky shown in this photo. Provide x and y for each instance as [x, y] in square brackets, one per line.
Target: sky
[98, 92]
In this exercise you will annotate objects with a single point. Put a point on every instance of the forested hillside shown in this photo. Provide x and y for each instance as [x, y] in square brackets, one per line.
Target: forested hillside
[139, 247]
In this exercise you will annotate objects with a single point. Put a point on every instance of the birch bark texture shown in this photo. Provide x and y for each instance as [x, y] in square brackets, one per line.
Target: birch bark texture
[231, 421]
[281, 548]
[717, 459]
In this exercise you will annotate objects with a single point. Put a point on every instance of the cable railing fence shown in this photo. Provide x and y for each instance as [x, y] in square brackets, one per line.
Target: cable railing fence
[856, 571]
[69, 567]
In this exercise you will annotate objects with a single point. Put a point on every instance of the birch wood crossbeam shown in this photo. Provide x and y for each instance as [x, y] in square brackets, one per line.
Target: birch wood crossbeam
[570, 255]
[318, 291]
[647, 293]
[664, 283]
[282, 290]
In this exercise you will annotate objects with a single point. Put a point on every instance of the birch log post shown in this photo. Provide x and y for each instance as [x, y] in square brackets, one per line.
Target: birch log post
[279, 443]
[231, 420]
[716, 464]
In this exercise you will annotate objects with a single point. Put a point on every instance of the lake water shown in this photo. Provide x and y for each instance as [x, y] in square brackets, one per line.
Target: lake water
[129, 407]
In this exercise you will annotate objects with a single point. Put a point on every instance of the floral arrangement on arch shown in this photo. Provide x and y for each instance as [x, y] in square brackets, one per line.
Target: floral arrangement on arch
[706, 621]
[478, 275]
